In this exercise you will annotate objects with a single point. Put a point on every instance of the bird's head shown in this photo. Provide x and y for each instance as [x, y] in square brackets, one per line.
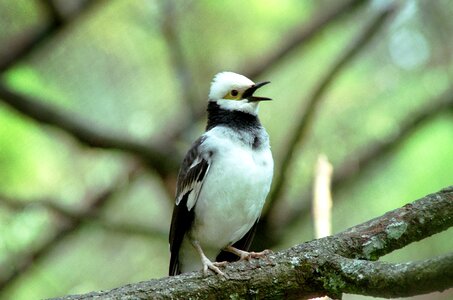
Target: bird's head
[233, 91]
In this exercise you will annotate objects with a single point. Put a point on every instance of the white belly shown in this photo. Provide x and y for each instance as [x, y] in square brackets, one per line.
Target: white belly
[232, 196]
[230, 200]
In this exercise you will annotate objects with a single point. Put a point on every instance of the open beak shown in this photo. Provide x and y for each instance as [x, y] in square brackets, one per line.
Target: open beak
[248, 94]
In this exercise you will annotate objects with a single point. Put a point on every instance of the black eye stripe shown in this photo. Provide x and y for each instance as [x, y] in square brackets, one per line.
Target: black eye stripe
[234, 93]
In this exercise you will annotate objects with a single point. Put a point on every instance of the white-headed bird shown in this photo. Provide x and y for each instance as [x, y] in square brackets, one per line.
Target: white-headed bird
[223, 181]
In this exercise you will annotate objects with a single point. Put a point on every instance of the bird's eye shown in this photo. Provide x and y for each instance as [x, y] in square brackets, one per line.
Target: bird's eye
[234, 93]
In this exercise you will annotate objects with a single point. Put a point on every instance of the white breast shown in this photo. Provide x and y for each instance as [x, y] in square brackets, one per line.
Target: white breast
[234, 191]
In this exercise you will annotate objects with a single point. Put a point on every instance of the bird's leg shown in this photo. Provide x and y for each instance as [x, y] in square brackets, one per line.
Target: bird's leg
[245, 255]
[208, 263]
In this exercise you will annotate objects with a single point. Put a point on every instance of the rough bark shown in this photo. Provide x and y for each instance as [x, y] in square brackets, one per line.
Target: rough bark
[329, 266]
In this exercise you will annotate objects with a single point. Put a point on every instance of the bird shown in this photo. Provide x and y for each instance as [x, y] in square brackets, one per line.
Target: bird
[223, 181]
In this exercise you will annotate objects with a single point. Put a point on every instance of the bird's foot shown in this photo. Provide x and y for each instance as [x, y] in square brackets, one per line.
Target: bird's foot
[207, 263]
[245, 255]
[214, 266]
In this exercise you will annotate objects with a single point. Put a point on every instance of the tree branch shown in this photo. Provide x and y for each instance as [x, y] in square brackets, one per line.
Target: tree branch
[298, 137]
[325, 266]
[163, 161]
[388, 280]
[399, 227]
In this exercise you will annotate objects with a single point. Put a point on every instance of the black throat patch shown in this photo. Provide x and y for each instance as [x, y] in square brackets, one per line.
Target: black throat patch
[232, 118]
[236, 120]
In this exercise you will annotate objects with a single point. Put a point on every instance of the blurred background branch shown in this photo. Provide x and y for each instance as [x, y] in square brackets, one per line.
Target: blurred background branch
[175, 50]
[299, 136]
[322, 198]
[162, 162]
[132, 78]
[71, 223]
[301, 35]
[53, 27]
[55, 15]
[363, 160]
[307, 117]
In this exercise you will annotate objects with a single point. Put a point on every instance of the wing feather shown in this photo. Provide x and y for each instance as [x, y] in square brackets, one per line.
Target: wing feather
[193, 171]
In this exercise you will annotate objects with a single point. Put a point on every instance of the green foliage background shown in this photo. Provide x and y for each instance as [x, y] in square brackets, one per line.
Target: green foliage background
[112, 68]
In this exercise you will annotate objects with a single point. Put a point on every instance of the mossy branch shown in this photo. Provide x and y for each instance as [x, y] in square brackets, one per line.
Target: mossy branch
[342, 263]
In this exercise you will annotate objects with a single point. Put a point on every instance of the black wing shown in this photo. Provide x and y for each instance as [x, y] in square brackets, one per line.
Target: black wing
[242, 244]
[190, 180]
